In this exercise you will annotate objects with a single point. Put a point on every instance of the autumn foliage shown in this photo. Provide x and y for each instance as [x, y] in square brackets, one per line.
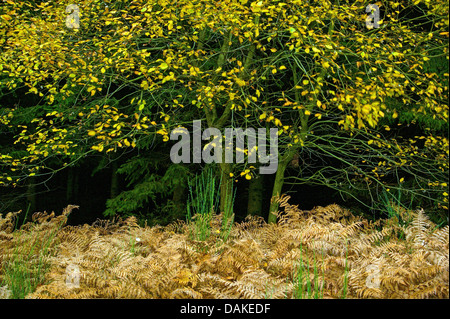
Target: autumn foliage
[128, 72]
[363, 111]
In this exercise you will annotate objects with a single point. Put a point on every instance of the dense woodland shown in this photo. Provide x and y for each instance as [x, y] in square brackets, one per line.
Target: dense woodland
[90, 93]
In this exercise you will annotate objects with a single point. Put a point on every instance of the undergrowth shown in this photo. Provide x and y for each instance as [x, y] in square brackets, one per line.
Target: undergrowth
[323, 253]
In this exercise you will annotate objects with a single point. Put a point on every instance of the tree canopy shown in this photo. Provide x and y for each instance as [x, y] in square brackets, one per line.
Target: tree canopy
[360, 110]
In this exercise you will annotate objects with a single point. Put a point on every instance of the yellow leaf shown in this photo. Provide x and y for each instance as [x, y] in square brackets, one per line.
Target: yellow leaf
[144, 85]
[240, 82]
[277, 122]
[141, 104]
[366, 109]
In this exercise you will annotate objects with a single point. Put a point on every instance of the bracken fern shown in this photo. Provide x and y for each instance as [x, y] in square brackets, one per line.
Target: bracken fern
[323, 253]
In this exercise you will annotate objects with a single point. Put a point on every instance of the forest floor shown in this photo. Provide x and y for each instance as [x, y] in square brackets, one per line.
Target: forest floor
[323, 253]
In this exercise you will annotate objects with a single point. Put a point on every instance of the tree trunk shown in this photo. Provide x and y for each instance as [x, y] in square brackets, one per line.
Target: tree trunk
[114, 191]
[31, 194]
[255, 196]
[226, 187]
[76, 186]
[70, 185]
[278, 184]
[179, 199]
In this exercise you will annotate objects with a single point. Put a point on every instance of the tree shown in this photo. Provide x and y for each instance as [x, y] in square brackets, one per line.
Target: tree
[135, 70]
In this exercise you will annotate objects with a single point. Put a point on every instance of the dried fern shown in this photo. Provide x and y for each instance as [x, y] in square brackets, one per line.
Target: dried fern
[336, 253]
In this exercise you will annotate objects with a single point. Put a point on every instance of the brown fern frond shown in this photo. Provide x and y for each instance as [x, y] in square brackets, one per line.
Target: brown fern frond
[336, 251]
[185, 293]
[8, 222]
